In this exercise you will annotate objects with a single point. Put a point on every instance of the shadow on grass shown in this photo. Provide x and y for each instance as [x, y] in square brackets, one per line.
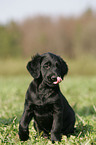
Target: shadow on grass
[81, 130]
[85, 118]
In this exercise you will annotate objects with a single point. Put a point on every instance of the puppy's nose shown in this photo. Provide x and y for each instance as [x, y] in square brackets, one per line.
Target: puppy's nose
[54, 78]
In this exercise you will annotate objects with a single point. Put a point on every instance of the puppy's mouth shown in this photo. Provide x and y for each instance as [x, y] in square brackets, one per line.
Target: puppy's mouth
[57, 81]
[53, 80]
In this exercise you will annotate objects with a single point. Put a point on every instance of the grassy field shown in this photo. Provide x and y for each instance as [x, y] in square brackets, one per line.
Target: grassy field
[79, 91]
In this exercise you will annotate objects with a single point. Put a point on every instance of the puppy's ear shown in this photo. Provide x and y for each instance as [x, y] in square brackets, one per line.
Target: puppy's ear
[64, 68]
[33, 66]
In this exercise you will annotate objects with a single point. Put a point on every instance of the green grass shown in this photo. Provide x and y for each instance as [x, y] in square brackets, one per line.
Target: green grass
[79, 91]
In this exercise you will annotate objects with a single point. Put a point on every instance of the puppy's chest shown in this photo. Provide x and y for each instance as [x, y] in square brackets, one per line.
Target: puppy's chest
[43, 103]
[46, 96]
[43, 109]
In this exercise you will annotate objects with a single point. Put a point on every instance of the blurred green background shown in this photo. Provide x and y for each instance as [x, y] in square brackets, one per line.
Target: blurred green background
[74, 39]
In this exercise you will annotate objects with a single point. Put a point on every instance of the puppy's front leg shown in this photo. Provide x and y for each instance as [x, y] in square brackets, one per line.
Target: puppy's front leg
[24, 122]
[56, 126]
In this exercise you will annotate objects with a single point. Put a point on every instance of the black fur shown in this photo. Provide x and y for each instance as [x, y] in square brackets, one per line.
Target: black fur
[44, 101]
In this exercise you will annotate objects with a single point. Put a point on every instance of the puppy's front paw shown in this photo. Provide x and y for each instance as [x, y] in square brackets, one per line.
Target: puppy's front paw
[23, 133]
[55, 137]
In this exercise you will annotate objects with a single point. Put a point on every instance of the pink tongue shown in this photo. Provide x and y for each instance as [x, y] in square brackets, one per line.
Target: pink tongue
[58, 80]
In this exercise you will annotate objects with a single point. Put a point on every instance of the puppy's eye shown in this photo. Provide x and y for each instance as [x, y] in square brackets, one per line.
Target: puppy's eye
[47, 65]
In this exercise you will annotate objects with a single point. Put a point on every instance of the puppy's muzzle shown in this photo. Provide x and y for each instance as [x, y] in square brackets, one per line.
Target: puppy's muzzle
[56, 80]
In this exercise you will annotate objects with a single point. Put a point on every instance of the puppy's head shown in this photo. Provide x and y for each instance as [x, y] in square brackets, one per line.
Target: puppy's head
[50, 67]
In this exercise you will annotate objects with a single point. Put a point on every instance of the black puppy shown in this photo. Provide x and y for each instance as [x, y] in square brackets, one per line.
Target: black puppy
[44, 100]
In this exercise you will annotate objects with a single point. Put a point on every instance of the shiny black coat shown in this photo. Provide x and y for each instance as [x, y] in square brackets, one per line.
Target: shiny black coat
[44, 101]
